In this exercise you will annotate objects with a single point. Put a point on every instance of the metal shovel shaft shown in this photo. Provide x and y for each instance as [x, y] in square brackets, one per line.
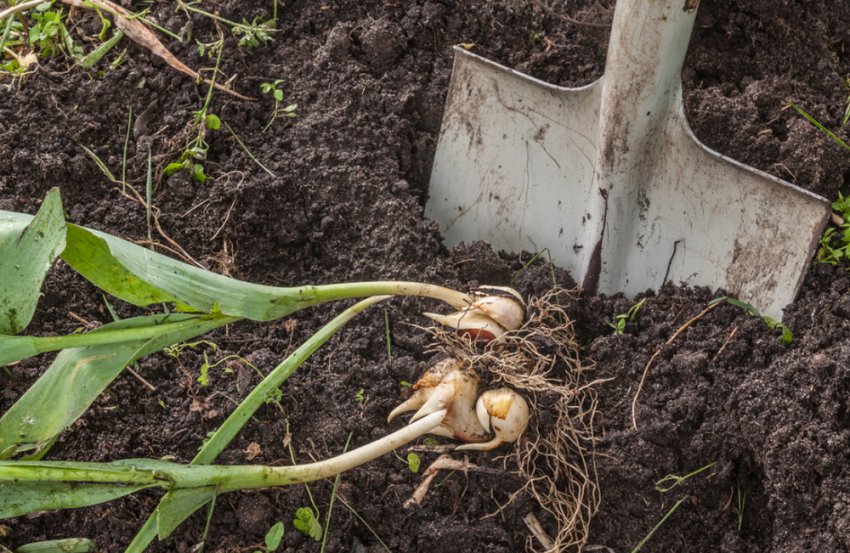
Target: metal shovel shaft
[610, 179]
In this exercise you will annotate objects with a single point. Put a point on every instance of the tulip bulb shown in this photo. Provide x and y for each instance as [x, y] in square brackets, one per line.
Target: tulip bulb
[446, 385]
[505, 413]
[496, 310]
[424, 387]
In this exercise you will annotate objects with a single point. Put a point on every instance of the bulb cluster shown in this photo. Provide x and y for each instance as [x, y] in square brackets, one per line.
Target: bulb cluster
[447, 385]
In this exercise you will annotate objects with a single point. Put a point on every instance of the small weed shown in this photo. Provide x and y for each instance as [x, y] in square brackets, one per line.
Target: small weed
[835, 242]
[787, 336]
[305, 522]
[623, 319]
[360, 396]
[252, 35]
[412, 461]
[536, 37]
[405, 384]
[273, 88]
[195, 152]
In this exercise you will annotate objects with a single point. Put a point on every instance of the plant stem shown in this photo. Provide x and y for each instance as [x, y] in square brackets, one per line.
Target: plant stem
[14, 348]
[312, 295]
[225, 478]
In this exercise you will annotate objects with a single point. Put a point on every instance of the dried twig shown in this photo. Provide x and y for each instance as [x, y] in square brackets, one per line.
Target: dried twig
[443, 462]
[537, 531]
[142, 35]
[725, 343]
[658, 352]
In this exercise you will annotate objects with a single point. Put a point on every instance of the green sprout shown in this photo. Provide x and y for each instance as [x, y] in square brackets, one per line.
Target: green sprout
[413, 462]
[835, 242]
[306, 522]
[741, 503]
[273, 88]
[623, 319]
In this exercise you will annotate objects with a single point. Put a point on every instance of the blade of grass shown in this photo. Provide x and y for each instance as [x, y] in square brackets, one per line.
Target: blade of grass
[28, 252]
[100, 165]
[657, 526]
[149, 195]
[91, 59]
[363, 521]
[333, 497]
[820, 126]
[124, 152]
[248, 152]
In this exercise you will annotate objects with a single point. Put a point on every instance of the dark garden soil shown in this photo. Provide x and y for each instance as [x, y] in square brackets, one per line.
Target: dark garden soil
[369, 78]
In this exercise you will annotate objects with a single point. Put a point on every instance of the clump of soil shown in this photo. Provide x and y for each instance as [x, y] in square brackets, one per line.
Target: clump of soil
[346, 203]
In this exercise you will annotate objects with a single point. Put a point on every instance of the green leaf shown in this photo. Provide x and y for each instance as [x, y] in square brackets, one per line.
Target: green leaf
[274, 536]
[28, 248]
[306, 523]
[787, 337]
[198, 173]
[177, 506]
[67, 545]
[143, 277]
[21, 498]
[413, 462]
[77, 376]
[174, 167]
[212, 122]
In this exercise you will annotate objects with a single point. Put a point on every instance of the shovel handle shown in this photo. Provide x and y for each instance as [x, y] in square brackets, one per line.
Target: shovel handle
[649, 40]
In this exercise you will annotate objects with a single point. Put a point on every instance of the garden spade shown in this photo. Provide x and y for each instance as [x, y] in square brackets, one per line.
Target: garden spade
[610, 179]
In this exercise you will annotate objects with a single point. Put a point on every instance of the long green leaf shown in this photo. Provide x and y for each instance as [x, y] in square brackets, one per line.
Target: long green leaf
[28, 248]
[15, 348]
[17, 499]
[77, 376]
[144, 277]
[178, 505]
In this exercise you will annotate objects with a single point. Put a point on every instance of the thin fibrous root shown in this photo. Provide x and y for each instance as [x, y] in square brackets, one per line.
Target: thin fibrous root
[556, 461]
